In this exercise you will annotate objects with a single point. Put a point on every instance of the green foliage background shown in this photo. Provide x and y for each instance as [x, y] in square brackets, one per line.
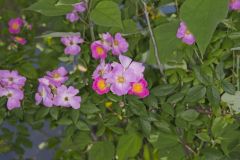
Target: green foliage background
[192, 114]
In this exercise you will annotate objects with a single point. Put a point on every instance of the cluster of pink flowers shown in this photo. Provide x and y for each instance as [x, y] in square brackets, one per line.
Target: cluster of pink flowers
[121, 78]
[11, 86]
[117, 44]
[78, 9]
[185, 35]
[234, 5]
[14, 27]
[72, 44]
[53, 92]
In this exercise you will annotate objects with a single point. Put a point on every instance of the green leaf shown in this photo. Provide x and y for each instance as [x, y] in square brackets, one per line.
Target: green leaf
[42, 112]
[228, 87]
[89, 108]
[54, 112]
[129, 146]
[218, 126]
[64, 121]
[175, 98]
[28, 70]
[203, 136]
[107, 13]
[233, 101]
[220, 71]
[48, 8]
[67, 2]
[202, 18]
[163, 90]
[102, 150]
[167, 42]
[195, 94]
[189, 115]
[166, 141]
[82, 126]
[213, 96]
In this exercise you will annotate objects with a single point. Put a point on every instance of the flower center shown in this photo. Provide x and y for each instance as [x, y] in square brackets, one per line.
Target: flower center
[120, 79]
[137, 87]
[15, 26]
[56, 75]
[115, 42]
[9, 95]
[10, 79]
[66, 99]
[100, 50]
[188, 32]
[101, 84]
[101, 72]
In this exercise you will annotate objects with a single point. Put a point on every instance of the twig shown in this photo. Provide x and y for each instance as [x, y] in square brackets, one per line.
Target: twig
[160, 66]
[89, 21]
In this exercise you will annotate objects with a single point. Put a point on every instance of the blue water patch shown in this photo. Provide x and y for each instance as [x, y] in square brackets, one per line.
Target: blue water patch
[168, 9]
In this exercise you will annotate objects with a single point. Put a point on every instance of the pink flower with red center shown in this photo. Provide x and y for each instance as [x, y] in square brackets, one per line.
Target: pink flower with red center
[67, 97]
[72, 44]
[185, 35]
[98, 50]
[234, 4]
[14, 25]
[101, 86]
[139, 89]
[57, 77]
[120, 45]
[20, 40]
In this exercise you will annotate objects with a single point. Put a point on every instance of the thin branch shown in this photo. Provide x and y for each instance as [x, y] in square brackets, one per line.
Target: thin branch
[160, 66]
[89, 21]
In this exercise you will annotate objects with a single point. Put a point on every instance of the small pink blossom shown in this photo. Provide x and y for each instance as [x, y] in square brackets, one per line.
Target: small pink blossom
[11, 79]
[120, 79]
[72, 17]
[107, 41]
[101, 70]
[11, 85]
[139, 89]
[234, 5]
[14, 97]
[44, 94]
[72, 44]
[185, 35]
[14, 25]
[120, 45]
[98, 50]
[20, 40]
[100, 86]
[66, 97]
[80, 7]
[57, 77]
